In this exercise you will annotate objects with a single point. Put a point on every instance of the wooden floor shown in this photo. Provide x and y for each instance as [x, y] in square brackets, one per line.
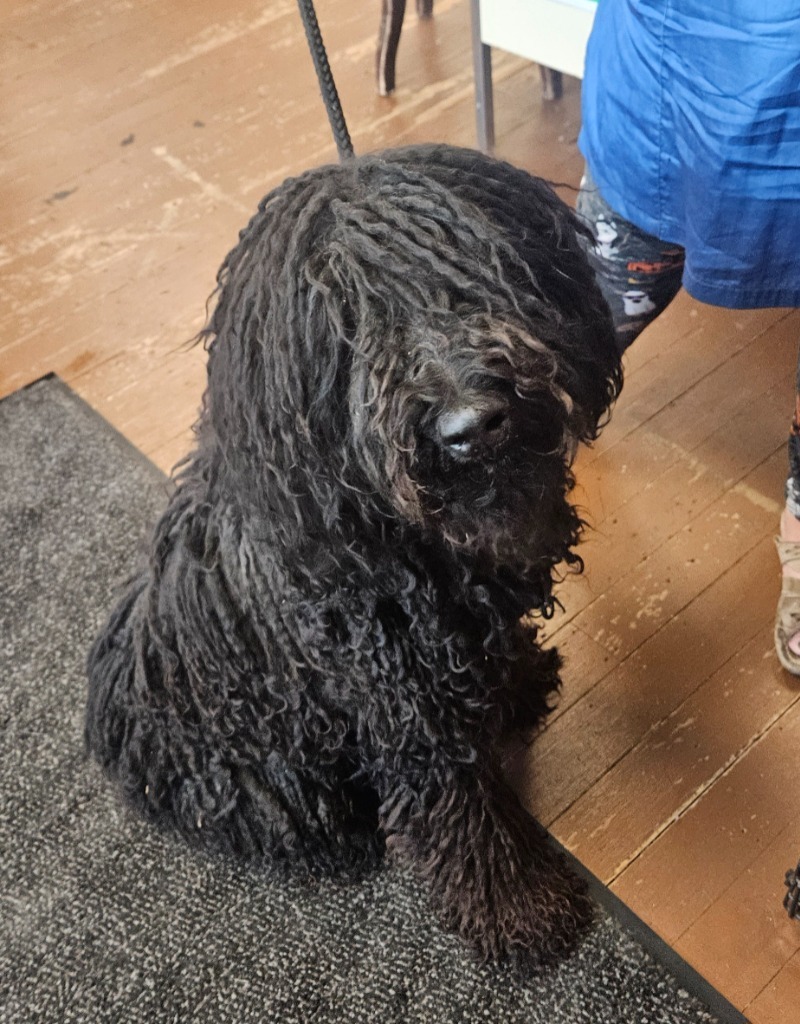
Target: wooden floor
[138, 137]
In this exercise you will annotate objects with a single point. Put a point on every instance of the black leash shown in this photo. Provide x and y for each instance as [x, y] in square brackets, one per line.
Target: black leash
[325, 78]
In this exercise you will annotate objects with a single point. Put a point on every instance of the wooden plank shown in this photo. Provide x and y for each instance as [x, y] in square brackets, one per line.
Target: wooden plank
[647, 687]
[665, 504]
[751, 936]
[737, 456]
[682, 755]
[691, 414]
[170, 451]
[636, 605]
[674, 369]
[586, 662]
[778, 1000]
[687, 869]
[648, 487]
[116, 262]
[618, 710]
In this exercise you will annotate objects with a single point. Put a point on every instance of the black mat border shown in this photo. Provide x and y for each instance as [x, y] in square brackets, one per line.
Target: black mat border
[683, 973]
[89, 412]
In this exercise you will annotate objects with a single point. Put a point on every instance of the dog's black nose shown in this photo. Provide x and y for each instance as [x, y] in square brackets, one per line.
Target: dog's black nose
[467, 429]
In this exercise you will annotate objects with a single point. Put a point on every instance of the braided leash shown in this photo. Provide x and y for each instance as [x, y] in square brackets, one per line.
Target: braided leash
[325, 78]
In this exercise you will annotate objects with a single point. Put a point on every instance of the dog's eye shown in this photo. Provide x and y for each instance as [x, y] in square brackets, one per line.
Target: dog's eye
[495, 423]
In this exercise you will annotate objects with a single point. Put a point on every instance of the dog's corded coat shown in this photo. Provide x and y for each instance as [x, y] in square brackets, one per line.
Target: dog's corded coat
[325, 645]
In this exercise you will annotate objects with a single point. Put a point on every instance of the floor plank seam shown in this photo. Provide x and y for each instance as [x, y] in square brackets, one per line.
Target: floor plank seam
[734, 485]
[761, 991]
[725, 361]
[698, 795]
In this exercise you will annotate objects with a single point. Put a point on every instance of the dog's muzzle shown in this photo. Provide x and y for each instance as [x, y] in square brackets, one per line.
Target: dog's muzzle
[471, 429]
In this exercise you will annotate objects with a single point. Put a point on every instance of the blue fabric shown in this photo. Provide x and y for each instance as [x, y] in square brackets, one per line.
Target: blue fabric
[691, 129]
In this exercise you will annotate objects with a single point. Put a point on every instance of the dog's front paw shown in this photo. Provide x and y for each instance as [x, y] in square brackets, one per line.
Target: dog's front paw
[542, 921]
[513, 897]
[532, 916]
[493, 875]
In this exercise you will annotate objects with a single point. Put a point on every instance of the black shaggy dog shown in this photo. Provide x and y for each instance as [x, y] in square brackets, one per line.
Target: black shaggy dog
[325, 647]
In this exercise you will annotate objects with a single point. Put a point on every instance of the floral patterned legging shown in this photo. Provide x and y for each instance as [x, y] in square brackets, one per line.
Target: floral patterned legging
[640, 275]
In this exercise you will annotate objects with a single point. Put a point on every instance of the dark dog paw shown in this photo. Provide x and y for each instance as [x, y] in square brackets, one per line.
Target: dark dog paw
[537, 921]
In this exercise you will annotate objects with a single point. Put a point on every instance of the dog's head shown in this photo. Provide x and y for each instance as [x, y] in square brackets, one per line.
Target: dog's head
[413, 338]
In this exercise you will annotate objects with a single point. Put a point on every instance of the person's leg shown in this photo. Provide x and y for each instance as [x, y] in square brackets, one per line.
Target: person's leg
[638, 274]
[787, 622]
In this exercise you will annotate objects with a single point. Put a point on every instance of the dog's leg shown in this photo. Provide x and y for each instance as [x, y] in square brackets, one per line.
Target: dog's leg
[179, 772]
[318, 821]
[492, 875]
[529, 695]
[270, 812]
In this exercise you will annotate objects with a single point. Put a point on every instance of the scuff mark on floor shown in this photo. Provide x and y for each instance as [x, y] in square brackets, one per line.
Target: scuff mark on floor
[207, 188]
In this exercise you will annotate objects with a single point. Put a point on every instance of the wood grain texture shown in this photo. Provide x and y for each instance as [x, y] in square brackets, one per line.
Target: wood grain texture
[137, 139]
[774, 1003]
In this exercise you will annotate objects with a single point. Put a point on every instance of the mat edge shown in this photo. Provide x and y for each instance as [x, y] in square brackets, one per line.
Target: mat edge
[52, 379]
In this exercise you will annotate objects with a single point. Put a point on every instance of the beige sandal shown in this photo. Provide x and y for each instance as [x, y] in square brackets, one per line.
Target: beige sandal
[787, 619]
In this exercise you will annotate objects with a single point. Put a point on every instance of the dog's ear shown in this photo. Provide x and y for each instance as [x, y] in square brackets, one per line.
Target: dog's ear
[293, 312]
[272, 417]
